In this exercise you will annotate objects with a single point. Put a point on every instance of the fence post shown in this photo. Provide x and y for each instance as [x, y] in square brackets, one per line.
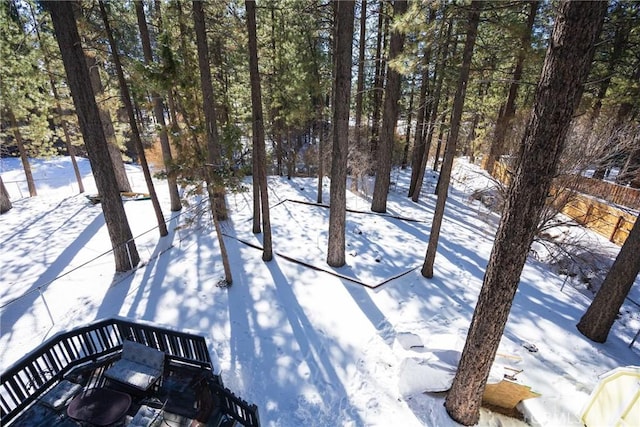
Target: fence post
[53, 323]
[616, 228]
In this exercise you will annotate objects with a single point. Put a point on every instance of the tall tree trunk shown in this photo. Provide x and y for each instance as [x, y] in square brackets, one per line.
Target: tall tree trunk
[259, 151]
[215, 187]
[421, 124]
[158, 111]
[338, 196]
[360, 81]
[378, 82]
[124, 248]
[558, 94]
[54, 91]
[277, 127]
[407, 133]
[450, 148]
[434, 116]
[107, 126]
[390, 118]
[441, 137]
[24, 157]
[135, 133]
[5, 202]
[509, 110]
[321, 144]
[214, 154]
[597, 321]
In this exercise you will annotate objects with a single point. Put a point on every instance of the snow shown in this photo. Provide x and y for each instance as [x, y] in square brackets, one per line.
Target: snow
[309, 344]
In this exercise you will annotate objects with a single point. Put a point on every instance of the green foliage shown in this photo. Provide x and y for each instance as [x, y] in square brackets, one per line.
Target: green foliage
[24, 85]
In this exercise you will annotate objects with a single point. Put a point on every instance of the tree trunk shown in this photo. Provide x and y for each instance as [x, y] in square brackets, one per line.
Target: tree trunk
[360, 81]
[431, 115]
[158, 111]
[208, 105]
[321, 143]
[24, 157]
[338, 189]
[597, 321]
[107, 126]
[450, 148]
[5, 202]
[135, 133]
[215, 187]
[124, 248]
[421, 125]
[407, 133]
[509, 110]
[390, 118]
[259, 151]
[378, 82]
[558, 94]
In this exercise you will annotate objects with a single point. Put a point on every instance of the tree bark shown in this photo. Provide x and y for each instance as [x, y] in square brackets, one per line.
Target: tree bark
[378, 81]
[5, 202]
[158, 112]
[338, 189]
[215, 187]
[452, 139]
[390, 118]
[124, 248]
[259, 151]
[431, 115]
[24, 157]
[107, 126]
[564, 72]
[421, 125]
[407, 133]
[135, 133]
[208, 104]
[360, 81]
[597, 321]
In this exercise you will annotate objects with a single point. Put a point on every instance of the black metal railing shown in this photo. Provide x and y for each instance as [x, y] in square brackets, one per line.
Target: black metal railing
[28, 378]
[236, 407]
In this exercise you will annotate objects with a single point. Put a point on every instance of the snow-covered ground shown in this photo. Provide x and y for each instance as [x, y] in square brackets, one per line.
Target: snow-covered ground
[309, 344]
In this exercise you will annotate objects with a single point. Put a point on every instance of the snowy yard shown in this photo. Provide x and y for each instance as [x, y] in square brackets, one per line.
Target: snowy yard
[309, 344]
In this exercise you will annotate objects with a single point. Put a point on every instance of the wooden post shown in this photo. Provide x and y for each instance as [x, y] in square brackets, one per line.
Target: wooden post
[616, 228]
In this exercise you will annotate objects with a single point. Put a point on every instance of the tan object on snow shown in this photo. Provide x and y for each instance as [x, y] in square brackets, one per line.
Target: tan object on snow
[506, 394]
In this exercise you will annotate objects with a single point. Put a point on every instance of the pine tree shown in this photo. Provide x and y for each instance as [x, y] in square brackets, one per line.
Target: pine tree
[597, 321]
[135, 133]
[338, 204]
[389, 118]
[158, 111]
[259, 153]
[213, 166]
[558, 93]
[450, 149]
[124, 248]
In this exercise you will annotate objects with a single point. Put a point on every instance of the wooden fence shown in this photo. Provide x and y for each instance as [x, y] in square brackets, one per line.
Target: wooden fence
[603, 218]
